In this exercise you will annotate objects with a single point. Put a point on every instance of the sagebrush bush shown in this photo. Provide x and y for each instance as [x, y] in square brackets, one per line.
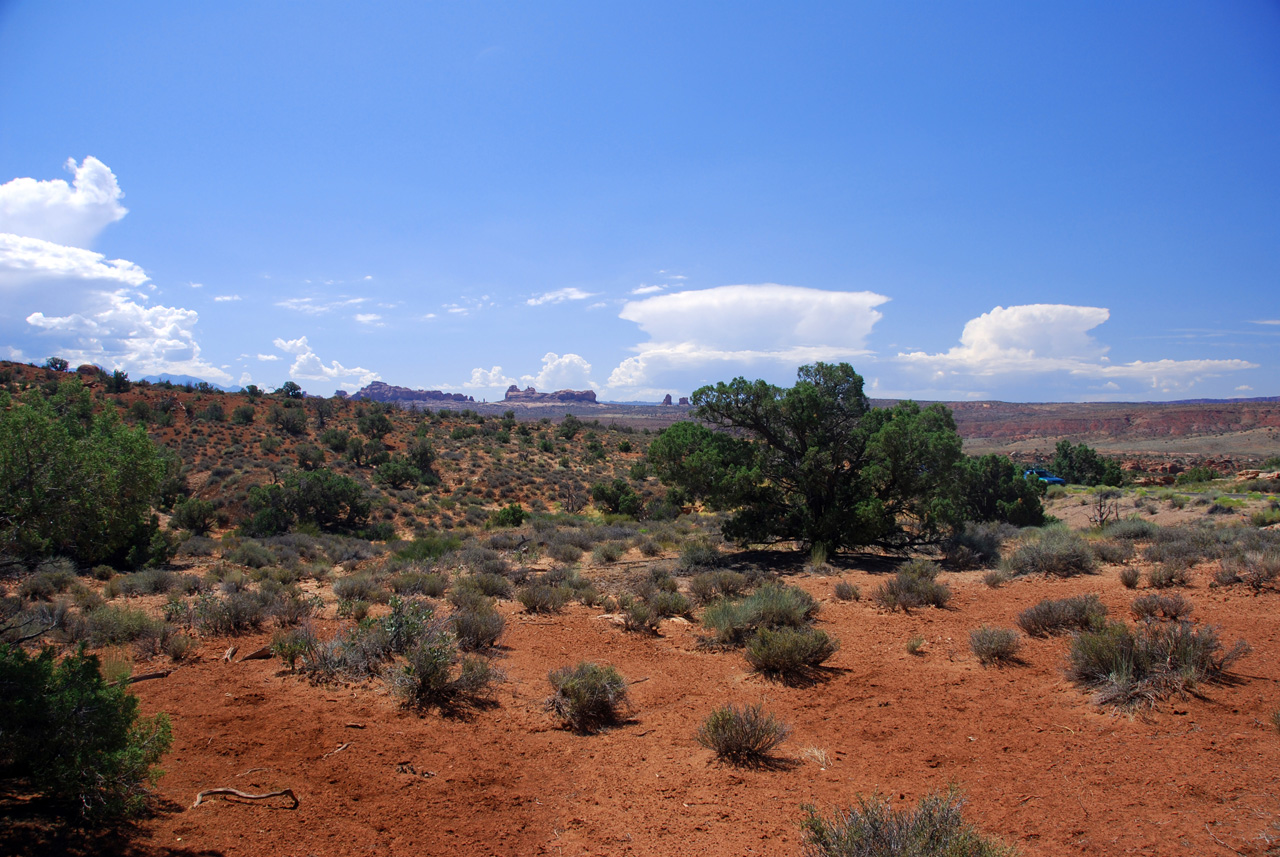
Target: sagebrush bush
[1130, 529]
[1159, 606]
[790, 653]
[415, 582]
[698, 554]
[1113, 551]
[588, 697]
[1130, 667]
[774, 605]
[436, 674]
[1254, 568]
[541, 597]
[1054, 551]
[1168, 575]
[638, 615]
[915, 585]
[1066, 614]
[666, 604]
[608, 552]
[478, 626]
[978, 544]
[993, 645]
[873, 828]
[846, 591]
[742, 736]
[1129, 578]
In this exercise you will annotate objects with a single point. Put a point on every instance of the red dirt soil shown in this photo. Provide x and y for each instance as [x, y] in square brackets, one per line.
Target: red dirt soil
[1040, 765]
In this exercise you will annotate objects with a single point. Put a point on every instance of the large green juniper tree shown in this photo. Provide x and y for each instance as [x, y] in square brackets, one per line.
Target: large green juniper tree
[816, 464]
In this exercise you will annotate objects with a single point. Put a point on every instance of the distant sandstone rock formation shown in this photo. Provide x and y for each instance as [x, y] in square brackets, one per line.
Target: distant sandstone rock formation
[684, 400]
[530, 395]
[378, 391]
[666, 400]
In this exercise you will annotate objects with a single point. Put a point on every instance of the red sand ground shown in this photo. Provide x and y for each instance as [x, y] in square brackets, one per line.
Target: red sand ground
[1040, 765]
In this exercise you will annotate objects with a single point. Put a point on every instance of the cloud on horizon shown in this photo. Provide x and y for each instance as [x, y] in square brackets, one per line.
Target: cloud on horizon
[560, 296]
[730, 328]
[307, 365]
[1044, 339]
[54, 211]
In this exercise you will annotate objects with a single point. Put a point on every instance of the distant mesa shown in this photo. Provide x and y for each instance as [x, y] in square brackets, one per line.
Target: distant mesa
[379, 391]
[684, 400]
[529, 395]
[666, 400]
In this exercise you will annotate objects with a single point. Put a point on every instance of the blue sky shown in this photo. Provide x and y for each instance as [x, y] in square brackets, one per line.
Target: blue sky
[1050, 201]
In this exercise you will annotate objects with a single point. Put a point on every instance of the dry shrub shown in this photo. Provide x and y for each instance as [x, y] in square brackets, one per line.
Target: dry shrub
[1067, 614]
[915, 585]
[742, 736]
[993, 645]
[873, 828]
[589, 697]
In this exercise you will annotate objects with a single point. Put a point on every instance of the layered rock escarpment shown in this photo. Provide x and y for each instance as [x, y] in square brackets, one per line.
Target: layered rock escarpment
[531, 396]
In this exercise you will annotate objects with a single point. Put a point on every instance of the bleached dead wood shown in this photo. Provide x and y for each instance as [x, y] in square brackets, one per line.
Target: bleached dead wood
[246, 796]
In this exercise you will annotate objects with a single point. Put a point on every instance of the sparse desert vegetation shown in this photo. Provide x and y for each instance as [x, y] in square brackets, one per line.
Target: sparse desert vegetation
[338, 597]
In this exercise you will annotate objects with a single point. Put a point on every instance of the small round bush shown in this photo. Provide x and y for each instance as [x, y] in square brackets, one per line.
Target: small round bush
[1129, 578]
[1067, 614]
[589, 697]
[541, 597]
[846, 591]
[915, 585]
[1057, 552]
[1161, 606]
[789, 652]
[742, 736]
[993, 645]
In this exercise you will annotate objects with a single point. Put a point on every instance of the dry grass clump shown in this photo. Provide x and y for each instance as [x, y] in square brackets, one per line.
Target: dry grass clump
[846, 591]
[994, 645]
[1255, 569]
[589, 697]
[873, 828]
[1167, 575]
[1130, 667]
[1050, 616]
[742, 736]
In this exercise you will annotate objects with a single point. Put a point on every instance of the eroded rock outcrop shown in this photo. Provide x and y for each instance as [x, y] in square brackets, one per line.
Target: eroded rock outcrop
[531, 396]
[380, 391]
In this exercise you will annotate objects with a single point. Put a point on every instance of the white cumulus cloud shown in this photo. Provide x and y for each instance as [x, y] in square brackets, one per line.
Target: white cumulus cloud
[117, 331]
[561, 372]
[369, 318]
[730, 328]
[1036, 339]
[220, 299]
[560, 296]
[71, 214]
[307, 366]
[486, 378]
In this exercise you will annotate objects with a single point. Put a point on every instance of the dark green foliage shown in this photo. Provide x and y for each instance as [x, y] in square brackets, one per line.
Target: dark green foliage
[873, 828]
[1077, 613]
[1055, 551]
[588, 697]
[195, 515]
[291, 390]
[429, 546]
[569, 427]
[789, 653]
[978, 544]
[511, 515]
[742, 736]
[76, 739]
[1197, 474]
[617, 498]
[74, 483]
[289, 420]
[335, 439]
[818, 465]
[310, 456]
[915, 585]
[374, 425]
[326, 499]
[993, 490]
[1132, 667]
[993, 645]
[397, 473]
[242, 415]
[1081, 465]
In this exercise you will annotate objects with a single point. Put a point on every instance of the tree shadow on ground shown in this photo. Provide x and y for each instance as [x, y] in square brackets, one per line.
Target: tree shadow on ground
[35, 826]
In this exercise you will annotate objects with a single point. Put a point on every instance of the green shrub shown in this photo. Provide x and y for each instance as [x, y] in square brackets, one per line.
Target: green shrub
[588, 697]
[666, 604]
[511, 515]
[113, 626]
[1055, 551]
[872, 828]
[638, 616]
[993, 645]
[413, 582]
[359, 587]
[742, 736]
[1198, 474]
[915, 585]
[242, 415]
[978, 544]
[1078, 612]
[1129, 668]
[564, 552]
[73, 737]
[238, 613]
[195, 515]
[293, 644]
[607, 552]
[790, 653]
